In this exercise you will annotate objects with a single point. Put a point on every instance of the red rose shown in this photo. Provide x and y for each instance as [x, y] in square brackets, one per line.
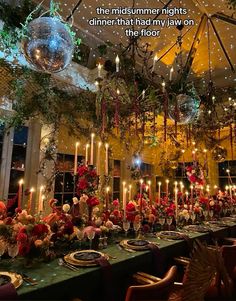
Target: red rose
[8, 221]
[68, 228]
[83, 184]
[115, 203]
[22, 237]
[130, 211]
[92, 201]
[93, 173]
[24, 249]
[39, 230]
[82, 170]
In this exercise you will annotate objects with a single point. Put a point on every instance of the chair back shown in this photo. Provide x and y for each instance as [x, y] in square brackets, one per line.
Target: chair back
[229, 255]
[156, 291]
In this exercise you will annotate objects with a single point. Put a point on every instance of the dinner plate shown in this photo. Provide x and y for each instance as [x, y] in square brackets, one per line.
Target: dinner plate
[173, 235]
[196, 228]
[84, 258]
[14, 278]
[216, 223]
[135, 244]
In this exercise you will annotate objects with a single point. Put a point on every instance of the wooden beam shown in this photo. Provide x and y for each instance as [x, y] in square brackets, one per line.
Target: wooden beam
[225, 18]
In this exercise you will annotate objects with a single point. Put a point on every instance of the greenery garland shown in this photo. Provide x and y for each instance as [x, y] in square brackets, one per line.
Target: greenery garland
[232, 4]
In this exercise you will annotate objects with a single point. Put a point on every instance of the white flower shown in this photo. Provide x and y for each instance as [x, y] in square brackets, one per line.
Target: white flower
[75, 200]
[66, 208]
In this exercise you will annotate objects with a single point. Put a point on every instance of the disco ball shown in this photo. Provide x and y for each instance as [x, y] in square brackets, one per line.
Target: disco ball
[48, 46]
[184, 108]
[219, 153]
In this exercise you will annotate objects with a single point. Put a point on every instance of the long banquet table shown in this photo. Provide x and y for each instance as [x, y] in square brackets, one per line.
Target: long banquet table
[59, 283]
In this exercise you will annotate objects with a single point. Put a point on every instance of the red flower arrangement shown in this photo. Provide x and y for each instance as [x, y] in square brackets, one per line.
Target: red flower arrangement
[195, 175]
[87, 181]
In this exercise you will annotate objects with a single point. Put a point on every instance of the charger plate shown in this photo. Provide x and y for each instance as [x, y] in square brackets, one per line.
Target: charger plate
[217, 223]
[173, 235]
[84, 258]
[135, 244]
[196, 228]
[14, 278]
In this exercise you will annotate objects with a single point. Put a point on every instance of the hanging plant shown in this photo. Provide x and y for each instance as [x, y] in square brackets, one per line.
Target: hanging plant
[232, 4]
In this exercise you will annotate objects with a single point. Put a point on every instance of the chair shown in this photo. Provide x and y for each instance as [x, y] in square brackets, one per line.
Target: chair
[152, 290]
[200, 272]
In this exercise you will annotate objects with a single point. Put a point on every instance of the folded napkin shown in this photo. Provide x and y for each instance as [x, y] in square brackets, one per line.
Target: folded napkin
[107, 278]
[8, 292]
[158, 260]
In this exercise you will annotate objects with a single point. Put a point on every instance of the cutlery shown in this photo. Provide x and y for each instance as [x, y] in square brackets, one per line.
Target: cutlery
[61, 262]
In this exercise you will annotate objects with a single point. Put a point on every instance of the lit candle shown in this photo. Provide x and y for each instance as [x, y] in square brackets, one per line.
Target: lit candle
[91, 150]
[163, 87]
[171, 73]
[141, 203]
[143, 94]
[230, 192]
[186, 193]
[98, 157]
[30, 200]
[40, 201]
[150, 191]
[159, 192]
[107, 197]
[167, 188]
[154, 62]
[107, 160]
[76, 158]
[194, 155]
[130, 192]
[20, 193]
[216, 189]
[99, 70]
[176, 204]
[124, 201]
[43, 198]
[176, 184]
[117, 63]
[86, 154]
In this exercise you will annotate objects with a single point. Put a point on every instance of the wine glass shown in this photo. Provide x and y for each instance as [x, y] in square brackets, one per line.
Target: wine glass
[136, 226]
[90, 235]
[2, 247]
[211, 213]
[13, 250]
[80, 236]
[162, 221]
[169, 221]
[126, 226]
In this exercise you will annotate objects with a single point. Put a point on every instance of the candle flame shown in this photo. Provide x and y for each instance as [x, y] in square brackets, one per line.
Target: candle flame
[99, 66]
[77, 144]
[156, 58]
[167, 181]
[141, 181]
[159, 183]
[117, 59]
[99, 144]
[92, 135]
[21, 182]
[106, 145]
[32, 189]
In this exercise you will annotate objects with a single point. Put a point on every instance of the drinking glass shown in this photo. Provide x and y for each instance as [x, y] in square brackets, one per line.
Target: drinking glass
[211, 213]
[80, 236]
[126, 226]
[2, 247]
[162, 221]
[13, 250]
[136, 226]
[90, 235]
[169, 221]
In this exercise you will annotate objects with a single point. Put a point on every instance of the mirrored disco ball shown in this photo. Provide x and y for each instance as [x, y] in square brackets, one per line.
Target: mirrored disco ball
[48, 46]
[219, 153]
[183, 108]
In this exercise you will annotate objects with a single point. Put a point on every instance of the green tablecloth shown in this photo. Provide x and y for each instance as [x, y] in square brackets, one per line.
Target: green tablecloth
[59, 283]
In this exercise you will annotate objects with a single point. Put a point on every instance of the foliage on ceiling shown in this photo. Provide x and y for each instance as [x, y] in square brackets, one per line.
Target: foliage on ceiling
[232, 4]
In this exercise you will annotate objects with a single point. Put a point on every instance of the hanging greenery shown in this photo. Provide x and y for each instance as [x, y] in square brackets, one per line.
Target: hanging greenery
[232, 4]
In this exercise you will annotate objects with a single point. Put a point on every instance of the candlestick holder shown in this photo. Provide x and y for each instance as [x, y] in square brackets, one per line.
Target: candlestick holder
[74, 182]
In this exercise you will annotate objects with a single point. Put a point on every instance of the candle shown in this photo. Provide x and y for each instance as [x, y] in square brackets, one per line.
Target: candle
[98, 157]
[76, 158]
[141, 205]
[150, 191]
[194, 155]
[154, 63]
[124, 201]
[163, 87]
[30, 200]
[117, 63]
[20, 193]
[40, 201]
[143, 94]
[107, 160]
[86, 154]
[130, 192]
[171, 73]
[186, 193]
[230, 192]
[159, 192]
[107, 197]
[191, 196]
[216, 189]
[99, 70]
[176, 204]
[167, 188]
[176, 184]
[91, 152]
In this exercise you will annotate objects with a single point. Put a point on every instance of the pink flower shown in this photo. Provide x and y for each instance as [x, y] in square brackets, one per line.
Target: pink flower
[116, 203]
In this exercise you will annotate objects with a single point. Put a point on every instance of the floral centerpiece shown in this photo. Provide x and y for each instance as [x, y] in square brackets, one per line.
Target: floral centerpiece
[195, 175]
[87, 186]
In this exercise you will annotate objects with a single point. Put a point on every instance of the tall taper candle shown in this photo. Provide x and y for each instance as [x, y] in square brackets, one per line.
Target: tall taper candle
[91, 152]
[40, 200]
[159, 192]
[141, 192]
[171, 73]
[107, 197]
[99, 70]
[29, 205]
[107, 160]
[117, 63]
[176, 204]
[20, 193]
[130, 192]
[99, 158]
[167, 188]
[155, 59]
[124, 202]
[86, 154]
[191, 195]
[76, 158]
[150, 191]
